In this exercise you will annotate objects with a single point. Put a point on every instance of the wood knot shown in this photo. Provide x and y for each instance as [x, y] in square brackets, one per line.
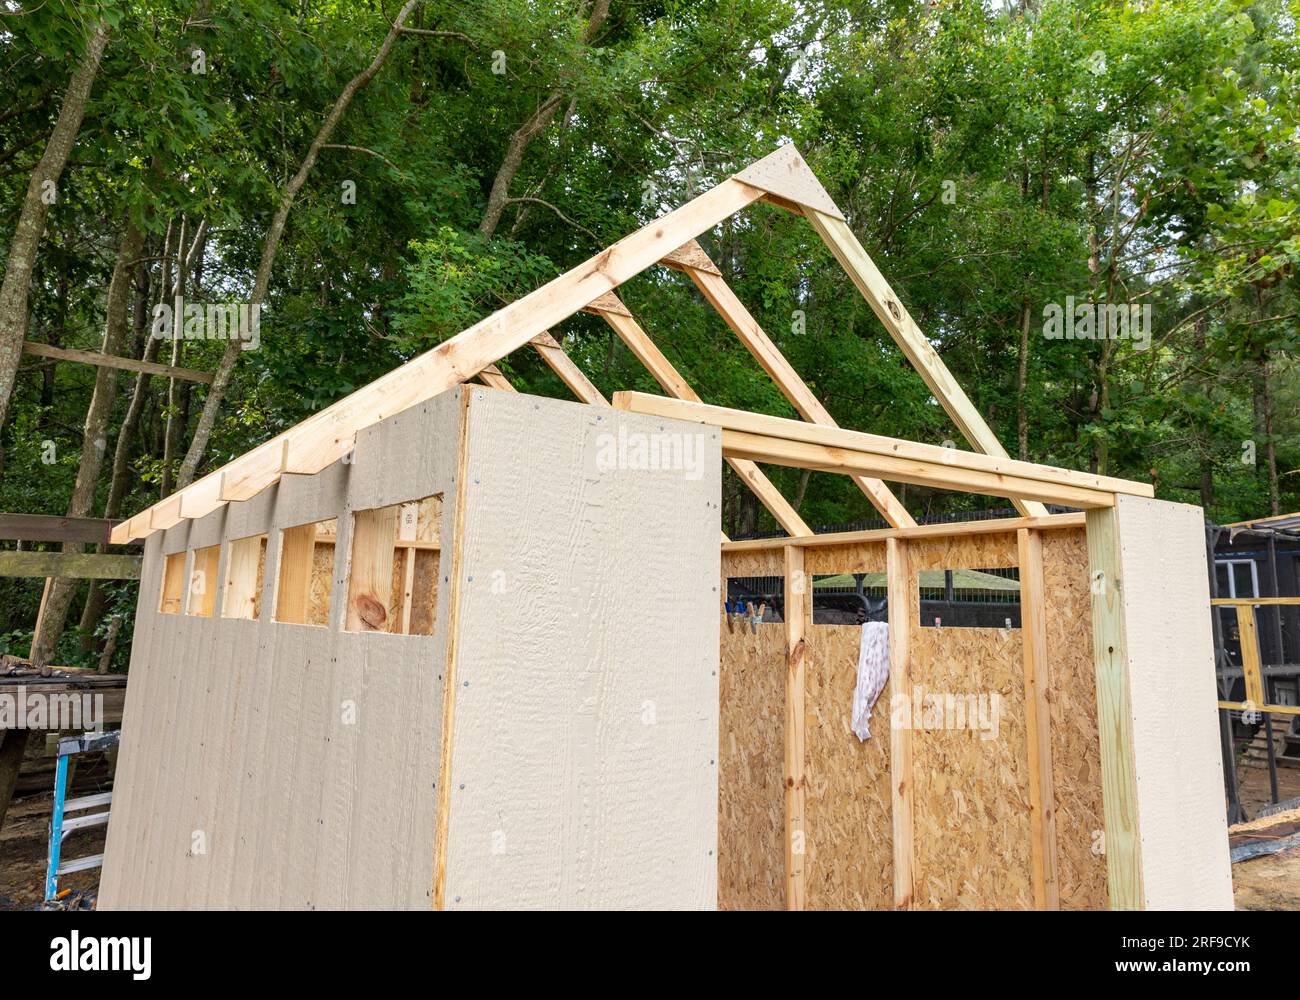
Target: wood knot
[894, 311]
[373, 614]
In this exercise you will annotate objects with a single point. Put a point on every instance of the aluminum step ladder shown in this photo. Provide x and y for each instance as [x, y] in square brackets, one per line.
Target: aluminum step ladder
[60, 824]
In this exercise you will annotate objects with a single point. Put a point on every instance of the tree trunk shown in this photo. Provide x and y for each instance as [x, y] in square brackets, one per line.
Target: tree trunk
[536, 123]
[94, 437]
[178, 395]
[146, 348]
[1204, 441]
[1022, 386]
[1101, 462]
[55, 336]
[801, 491]
[747, 518]
[229, 358]
[31, 222]
[169, 429]
[1264, 428]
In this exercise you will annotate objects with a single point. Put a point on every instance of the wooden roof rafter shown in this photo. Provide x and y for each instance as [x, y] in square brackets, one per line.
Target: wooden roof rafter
[696, 264]
[782, 178]
[328, 435]
[621, 320]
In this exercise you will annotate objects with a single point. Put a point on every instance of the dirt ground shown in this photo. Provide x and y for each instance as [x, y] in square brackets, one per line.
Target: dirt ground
[1252, 786]
[24, 847]
[1270, 882]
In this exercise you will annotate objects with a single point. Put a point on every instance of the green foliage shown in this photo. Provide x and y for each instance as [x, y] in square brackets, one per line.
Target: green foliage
[993, 158]
[456, 278]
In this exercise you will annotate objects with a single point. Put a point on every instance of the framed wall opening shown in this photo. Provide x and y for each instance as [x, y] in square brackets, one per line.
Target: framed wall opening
[202, 596]
[969, 598]
[173, 584]
[245, 566]
[760, 599]
[306, 573]
[393, 575]
[849, 598]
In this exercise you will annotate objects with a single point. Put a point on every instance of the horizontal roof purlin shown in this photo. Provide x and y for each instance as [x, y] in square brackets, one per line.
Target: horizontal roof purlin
[793, 442]
[945, 529]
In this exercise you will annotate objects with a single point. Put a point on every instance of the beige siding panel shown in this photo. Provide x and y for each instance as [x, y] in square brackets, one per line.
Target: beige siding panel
[584, 760]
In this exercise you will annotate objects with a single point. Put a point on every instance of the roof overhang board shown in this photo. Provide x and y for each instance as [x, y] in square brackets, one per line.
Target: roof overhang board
[801, 455]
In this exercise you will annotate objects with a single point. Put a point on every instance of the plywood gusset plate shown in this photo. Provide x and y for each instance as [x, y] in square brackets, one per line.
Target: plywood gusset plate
[691, 257]
[607, 303]
[786, 175]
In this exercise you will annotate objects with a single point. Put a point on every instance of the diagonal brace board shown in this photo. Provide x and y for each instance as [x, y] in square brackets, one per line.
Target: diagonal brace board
[570, 374]
[102, 360]
[658, 365]
[492, 377]
[719, 295]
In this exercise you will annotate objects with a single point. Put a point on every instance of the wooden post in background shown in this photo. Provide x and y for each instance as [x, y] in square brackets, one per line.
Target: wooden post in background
[900, 736]
[1250, 662]
[40, 620]
[796, 612]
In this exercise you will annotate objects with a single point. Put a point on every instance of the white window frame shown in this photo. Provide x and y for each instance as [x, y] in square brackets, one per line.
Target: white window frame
[1232, 577]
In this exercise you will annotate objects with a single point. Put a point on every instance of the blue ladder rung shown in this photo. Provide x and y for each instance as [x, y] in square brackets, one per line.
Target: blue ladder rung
[81, 864]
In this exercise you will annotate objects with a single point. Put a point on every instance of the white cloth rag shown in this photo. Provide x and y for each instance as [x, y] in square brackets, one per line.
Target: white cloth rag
[873, 672]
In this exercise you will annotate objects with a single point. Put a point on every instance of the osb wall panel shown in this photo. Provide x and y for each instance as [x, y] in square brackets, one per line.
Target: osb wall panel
[760, 562]
[971, 798]
[1076, 764]
[751, 751]
[849, 863]
[751, 759]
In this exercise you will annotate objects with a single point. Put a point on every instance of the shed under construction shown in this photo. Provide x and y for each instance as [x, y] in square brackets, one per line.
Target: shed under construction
[446, 645]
